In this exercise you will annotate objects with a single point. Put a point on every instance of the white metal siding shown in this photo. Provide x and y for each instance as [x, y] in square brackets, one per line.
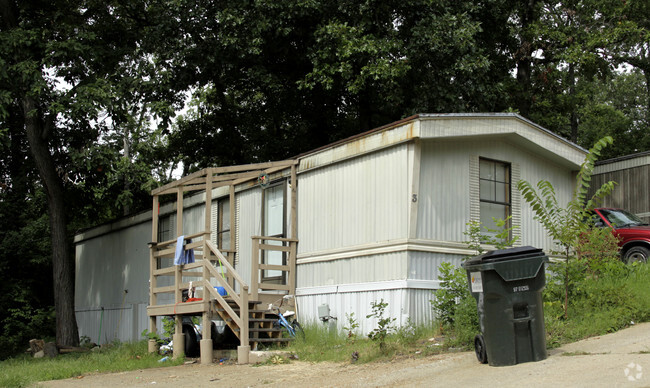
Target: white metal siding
[419, 306]
[404, 304]
[357, 201]
[354, 302]
[425, 265]
[361, 269]
[507, 126]
[444, 204]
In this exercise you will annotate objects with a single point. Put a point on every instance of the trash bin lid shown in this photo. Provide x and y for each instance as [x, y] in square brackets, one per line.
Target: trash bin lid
[511, 264]
[506, 254]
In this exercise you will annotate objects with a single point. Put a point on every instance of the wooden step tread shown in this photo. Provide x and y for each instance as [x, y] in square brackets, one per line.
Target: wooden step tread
[232, 302]
[264, 330]
[262, 320]
[270, 339]
[250, 311]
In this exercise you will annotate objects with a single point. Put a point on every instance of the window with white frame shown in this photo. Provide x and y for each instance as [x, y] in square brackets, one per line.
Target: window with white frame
[495, 192]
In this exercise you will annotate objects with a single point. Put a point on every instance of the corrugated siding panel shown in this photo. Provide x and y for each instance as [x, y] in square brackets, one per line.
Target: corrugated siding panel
[642, 160]
[425, 265]
[249, 221]
[116, 323]
[389, 266]
[357, 303]
[403, 304]
[194, 219]
[357, 201]
[111, 263]
[534, 170]
[444, 204]
[455, 127]
[419, 308]
[631, 193]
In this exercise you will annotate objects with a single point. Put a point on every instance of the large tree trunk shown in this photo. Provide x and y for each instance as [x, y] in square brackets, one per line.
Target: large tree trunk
[573, 119]
[62, 263]
[524, 57]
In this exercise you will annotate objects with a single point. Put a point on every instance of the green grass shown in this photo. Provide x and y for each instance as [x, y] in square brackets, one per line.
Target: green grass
[321, 345]
[600, 305]
[24, 371]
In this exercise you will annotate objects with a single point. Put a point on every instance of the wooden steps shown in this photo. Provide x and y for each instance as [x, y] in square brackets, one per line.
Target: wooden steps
[262, 326]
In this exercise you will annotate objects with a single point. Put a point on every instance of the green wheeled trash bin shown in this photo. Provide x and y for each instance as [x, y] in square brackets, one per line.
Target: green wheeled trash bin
[507, 285]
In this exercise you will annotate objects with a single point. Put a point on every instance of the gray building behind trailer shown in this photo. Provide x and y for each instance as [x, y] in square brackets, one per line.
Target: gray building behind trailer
[632, 175]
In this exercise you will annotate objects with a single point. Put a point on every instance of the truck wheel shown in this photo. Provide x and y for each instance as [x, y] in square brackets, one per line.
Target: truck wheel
[479, 348]
[637, 254]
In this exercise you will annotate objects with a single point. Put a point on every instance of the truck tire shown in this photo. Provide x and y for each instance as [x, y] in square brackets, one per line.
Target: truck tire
[637, 254]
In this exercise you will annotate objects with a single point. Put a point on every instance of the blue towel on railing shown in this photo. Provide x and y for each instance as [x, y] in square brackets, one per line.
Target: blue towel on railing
[183, 256]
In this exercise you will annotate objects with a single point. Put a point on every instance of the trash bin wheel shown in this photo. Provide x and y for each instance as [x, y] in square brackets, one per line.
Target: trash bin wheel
[479, 348]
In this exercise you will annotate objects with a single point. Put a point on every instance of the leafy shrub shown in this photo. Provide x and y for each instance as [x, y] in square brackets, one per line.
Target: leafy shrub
[453, 289]
[351, 326]
[384, 324]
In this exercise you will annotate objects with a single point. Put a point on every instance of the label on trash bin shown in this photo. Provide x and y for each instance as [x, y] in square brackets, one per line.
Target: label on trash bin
[520, 288]
[477, 281]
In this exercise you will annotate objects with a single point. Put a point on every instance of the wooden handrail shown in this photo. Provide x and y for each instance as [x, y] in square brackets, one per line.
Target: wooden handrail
[225, 263]
[288, 246]
[214, 294]
[189, 236]
[275, 238]
[222, 281]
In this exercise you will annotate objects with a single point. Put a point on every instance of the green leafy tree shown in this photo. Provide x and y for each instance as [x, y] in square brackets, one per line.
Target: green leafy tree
[65, 68]
[566, 224]
[617, 108]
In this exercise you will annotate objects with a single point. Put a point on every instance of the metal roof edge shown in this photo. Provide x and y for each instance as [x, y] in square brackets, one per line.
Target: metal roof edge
[622, 158]
[414, 117]
[503, 115]
[113, 226]
[357, 136]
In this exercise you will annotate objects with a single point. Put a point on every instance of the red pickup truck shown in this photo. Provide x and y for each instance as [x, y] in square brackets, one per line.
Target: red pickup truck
[634, 235]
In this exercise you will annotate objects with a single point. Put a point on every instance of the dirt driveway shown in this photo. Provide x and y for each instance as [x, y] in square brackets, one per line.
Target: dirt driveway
[620, 359]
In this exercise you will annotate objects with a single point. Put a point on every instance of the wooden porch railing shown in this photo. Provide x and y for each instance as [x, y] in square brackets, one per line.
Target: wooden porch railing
[233, 311]
[263, 244]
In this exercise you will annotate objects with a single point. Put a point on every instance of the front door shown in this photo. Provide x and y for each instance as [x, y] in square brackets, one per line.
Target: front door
[274, 226]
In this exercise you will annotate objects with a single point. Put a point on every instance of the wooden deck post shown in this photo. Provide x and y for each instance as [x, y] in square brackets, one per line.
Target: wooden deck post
[255, 268]
[152, 345]
[294, 233]
[243, 350]
[206, 341]
[206, 327]
[178, 338]
[233, 232]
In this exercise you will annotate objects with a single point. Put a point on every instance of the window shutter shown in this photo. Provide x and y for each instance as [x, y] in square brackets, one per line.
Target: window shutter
[474, 193]
[515, 207]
